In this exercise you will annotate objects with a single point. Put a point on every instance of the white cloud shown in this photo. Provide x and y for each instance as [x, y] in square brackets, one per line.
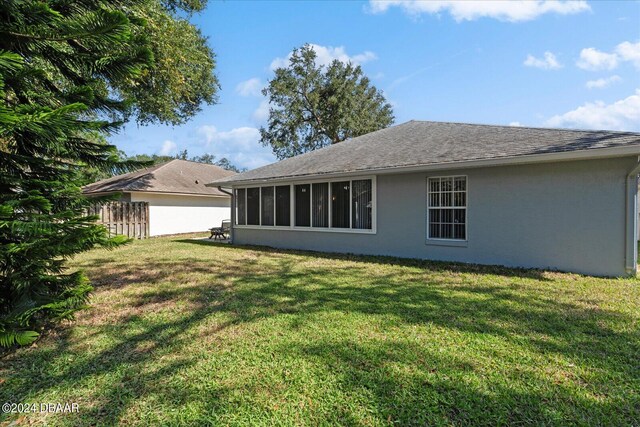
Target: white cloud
[602, 83]
[550, 62]
[261, 114]
[516, 124]
[168, 148]
[592, 59]
[325, 55]
[620, 115]
[241, 138]
[251, 87]
[240, 145]
[512, 11]
[629, 52]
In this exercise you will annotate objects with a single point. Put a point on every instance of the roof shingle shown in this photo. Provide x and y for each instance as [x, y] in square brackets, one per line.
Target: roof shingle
[423, 143]
[175, 176]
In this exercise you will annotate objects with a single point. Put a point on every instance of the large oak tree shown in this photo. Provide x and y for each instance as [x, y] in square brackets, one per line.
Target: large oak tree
[312, 106]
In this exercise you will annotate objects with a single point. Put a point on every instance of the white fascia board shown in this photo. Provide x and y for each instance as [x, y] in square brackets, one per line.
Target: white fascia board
[601, 153]
[167, 193]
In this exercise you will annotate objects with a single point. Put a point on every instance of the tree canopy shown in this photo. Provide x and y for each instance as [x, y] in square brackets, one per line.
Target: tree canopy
[312, 106]
[181, 78]
[71, 72]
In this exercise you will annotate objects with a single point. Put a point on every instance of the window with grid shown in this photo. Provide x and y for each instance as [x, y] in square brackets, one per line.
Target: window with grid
[447, 207]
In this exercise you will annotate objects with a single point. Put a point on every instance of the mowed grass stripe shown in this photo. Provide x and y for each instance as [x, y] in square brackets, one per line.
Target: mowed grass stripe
[182, 332]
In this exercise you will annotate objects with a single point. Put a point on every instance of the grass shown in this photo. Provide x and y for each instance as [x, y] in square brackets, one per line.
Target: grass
[182, 332]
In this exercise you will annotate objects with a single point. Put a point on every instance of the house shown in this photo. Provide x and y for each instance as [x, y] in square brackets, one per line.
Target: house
[179, 201]
[513, 196]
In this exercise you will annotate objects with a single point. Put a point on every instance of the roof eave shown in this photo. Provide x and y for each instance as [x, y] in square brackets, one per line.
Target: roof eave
[171, 193]
[599, 153]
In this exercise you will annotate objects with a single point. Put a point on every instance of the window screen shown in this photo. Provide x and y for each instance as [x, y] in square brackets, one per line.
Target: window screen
[241, 218]
[253, 206]
[340, 204]
[361, 204]
[283, 205]
[320, 205]
[266, 194]
[303, 202]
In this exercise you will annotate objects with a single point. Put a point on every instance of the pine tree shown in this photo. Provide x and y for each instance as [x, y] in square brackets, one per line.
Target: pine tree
[61, 66]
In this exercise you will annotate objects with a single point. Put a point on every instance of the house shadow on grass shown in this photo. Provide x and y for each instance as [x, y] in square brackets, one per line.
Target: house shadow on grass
[454, 267]
[190, 305]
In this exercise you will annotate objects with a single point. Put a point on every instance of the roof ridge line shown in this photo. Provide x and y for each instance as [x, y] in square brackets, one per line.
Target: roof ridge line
[527, 127]
[164, 164]
[195, 162]
[125, 174]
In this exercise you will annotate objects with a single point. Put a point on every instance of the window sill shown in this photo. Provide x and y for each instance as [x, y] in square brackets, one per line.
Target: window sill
[447, 242]
[312, 229]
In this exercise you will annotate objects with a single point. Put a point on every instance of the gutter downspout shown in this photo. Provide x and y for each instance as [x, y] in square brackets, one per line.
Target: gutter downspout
[233, 212]
[631, 243]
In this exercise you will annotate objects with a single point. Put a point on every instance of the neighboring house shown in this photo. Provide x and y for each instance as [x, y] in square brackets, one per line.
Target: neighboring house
[179, 201]
[514, 196]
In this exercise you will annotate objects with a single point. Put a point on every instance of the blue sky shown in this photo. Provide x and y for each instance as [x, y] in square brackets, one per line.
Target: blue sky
[532, 63]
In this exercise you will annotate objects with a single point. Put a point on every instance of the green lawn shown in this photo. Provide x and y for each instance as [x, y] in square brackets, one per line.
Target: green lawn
[182, 332]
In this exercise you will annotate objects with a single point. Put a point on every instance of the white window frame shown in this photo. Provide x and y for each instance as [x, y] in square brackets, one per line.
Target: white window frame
[329, 229]
[441, 240]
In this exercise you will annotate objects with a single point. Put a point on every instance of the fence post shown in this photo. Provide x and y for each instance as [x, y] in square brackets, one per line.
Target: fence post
[146, 219]
[130, 219]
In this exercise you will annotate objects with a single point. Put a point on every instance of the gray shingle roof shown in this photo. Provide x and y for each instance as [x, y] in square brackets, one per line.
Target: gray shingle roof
[422, 143]
[175, 176]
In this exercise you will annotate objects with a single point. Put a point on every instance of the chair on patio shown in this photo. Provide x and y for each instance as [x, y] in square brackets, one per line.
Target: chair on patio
[222, 231]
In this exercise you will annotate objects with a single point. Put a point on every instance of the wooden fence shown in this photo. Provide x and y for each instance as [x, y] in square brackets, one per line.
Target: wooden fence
[129, 219]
